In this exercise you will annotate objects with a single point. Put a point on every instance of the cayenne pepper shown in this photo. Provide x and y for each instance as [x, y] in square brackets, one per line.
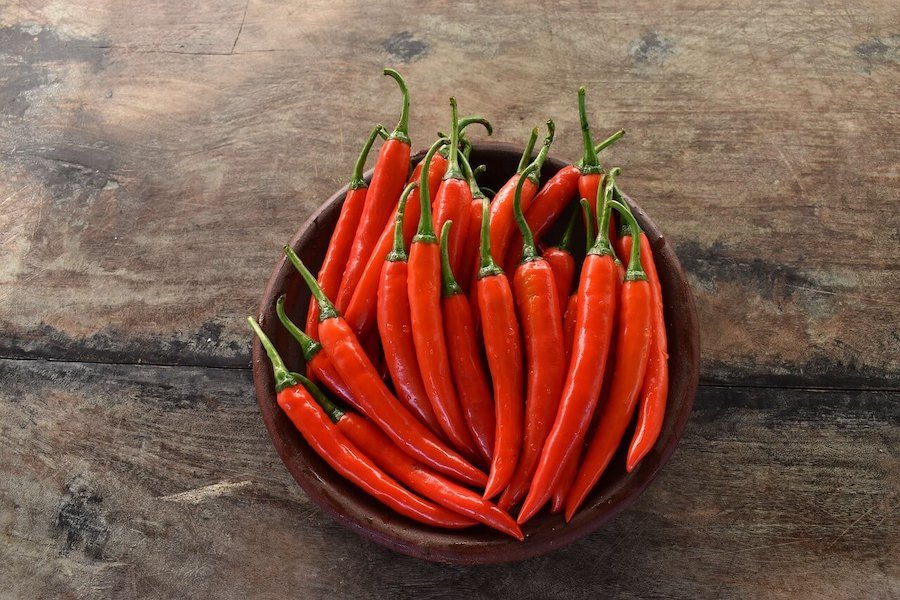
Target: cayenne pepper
[632, 354]
[562, 263]
[355, 368]
[320, 432]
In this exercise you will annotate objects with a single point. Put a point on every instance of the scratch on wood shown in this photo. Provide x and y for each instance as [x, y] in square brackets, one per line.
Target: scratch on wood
[241, 28]
[207, 492]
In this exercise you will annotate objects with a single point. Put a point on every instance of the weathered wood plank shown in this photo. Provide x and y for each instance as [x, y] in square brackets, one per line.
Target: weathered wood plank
[160, 482]
[155, 156]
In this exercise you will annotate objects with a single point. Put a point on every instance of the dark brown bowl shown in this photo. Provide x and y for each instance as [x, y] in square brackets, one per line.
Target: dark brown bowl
[545, 533]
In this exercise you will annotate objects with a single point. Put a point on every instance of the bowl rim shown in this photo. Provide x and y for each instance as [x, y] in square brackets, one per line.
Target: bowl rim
[410, 538]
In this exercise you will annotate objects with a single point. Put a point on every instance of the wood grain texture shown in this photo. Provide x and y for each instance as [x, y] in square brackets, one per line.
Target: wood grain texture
[155, 156]
[776, 494]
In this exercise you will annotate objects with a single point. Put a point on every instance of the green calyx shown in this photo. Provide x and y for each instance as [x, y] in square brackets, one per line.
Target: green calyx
[565, 242]
[398, 251]
[589, 161]
[529, 149]
[529, 250]
[449, 286]
[326, 308]
[599, 147]
[331, 409]
[283, 377]
[489, 266]
[401, 131]
[453, 170]
[425, 232]
[635, 270]
[308, 346]
[356, 180]
[590, 238]
[604, 192]
[542, 155]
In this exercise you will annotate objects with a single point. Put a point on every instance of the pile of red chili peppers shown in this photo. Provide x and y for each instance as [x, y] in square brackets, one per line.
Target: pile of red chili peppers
[470, 360]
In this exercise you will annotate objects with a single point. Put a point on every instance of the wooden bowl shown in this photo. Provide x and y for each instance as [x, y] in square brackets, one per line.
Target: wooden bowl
[479, 545]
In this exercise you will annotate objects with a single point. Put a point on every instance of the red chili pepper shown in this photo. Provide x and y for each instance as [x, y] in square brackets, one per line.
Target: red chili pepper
[468, 263]
[569, 324]
[323, 436]
[317, 362]
[593, 335]
[395, 326]
[465, 357]
[562, 263]
[655, 389]
[388, 180]
[537, 300]
[386, 455]
[339, 246]
[552, 200]
[376, 400]
[504, 356]
[503, 224]
[632, 353]
[425, 309]
[562, 487]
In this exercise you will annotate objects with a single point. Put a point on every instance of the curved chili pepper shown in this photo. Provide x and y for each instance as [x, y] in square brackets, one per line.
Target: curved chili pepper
[468, 264]
[465, 356]
[317, 362]
[593, 335]
[562, 487]
[377, 402]
[418, 477]
[551, 201]
[502, 346]
[503, 224]
[632, 353]
[655, 389]
[534, 288]
[454, 196]
[428, 333]
[320, 432]
[562, 263]
[342, 238]
[395, 326]
[388, 179]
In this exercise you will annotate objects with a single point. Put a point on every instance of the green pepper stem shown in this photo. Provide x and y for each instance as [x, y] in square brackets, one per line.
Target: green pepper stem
[398, 251]
[472, 119]
[545, 149]
[565, 242]
[487, 190]
[488, 265]
[449, 285]
[356, 180]
[308, 346]
[425, 233]
[529, 251]
[529, 149]
[453, 171]
[624, 229]
[326, 308]
[283, 377]
[331, 409]
[401, 131]
[588, 223]
[635, 270]
[607, 142]
[604, 191]
[470, 176]
[589, 162]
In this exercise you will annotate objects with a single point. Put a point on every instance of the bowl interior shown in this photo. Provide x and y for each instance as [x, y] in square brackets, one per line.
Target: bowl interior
[615, 491]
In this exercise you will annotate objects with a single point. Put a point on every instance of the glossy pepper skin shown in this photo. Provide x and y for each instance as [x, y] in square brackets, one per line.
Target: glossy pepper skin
[377, 402]
[317, 361]
[593, 335]
[342, 455]
[502, 345]
[562, 263]
[537, 300]
[388, 179]
[465, 357]
[395, 326]
[425, 308]
[467, 272]
[418, 477]
[655, 388]
[632, 354]
[342, 238]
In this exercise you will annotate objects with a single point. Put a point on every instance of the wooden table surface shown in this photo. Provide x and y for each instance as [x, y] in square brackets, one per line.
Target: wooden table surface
[155, 155]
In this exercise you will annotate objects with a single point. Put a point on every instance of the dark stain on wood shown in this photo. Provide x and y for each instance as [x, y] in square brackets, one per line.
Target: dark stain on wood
[877, 51]
[651, 49]
[403, 47]
[79, 519]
